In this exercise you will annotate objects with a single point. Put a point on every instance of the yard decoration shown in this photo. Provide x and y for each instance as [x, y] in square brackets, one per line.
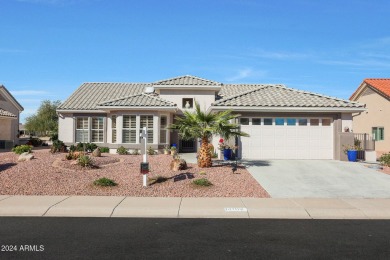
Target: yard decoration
[203, 125]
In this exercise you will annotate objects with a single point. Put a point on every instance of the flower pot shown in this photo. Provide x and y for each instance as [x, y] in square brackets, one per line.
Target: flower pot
[352, 155]
[227, 154]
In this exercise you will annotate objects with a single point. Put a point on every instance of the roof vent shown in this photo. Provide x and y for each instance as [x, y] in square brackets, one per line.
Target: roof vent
[149, 90]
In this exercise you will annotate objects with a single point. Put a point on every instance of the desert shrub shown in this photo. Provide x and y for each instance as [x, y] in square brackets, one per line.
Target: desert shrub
[85, 161]
[121, 150]
[104, 149]
[385, 159]
[202, 173]
[202, 182]
[72, 148]
[135, 152]
[69, 156]
[104, 182]
[22, 149]
[88, 147]
[58, 146]
[150, 151]
[54, 136]
[74, 155]
[35, 142]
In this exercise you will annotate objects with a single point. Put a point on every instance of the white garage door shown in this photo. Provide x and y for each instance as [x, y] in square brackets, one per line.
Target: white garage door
[287, 138]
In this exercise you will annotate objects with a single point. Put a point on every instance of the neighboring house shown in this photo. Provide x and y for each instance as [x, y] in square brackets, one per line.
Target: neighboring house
[283, 123]
[375, 94]
[9, 119]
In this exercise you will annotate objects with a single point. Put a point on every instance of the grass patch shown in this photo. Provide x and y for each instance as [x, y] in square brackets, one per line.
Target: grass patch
[104, 182]
[202, 182]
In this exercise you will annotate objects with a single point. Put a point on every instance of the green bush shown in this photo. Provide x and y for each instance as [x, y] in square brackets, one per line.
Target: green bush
[385, 159]
[58, 146]
[22, 149]
[104, 149]
[35, 142]
[202, 182]
[104, 182]
[85, 161]
[121, 150]
[88, 147]
[72, 148]
[150, 151]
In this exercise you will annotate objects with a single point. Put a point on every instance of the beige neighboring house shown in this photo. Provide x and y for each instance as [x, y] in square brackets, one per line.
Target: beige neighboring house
[283, 123]
[375, 94]
[9, 119]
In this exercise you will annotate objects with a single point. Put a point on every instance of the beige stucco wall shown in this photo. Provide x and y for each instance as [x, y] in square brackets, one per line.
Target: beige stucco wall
[66, 128]
[11, 128]
[377, 115]
[5, 126]
[203, 97]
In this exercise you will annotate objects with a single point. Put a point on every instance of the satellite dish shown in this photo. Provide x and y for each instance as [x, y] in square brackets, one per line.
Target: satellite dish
[149, 90]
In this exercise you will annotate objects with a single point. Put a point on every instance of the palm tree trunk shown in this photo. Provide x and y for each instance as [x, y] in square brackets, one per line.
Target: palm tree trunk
[204, 159]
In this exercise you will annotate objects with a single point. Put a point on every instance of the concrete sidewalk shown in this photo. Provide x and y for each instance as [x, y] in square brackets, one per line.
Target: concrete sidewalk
[108, 206]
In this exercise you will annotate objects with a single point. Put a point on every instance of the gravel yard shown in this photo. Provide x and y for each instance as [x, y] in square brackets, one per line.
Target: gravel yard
[51, 174]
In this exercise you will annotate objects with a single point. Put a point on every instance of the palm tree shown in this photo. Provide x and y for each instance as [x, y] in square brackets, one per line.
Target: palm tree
[199, 124]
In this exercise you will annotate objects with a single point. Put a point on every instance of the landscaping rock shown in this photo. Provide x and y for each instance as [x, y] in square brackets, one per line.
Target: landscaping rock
[25, 157]
[96, 153]
[178, 165]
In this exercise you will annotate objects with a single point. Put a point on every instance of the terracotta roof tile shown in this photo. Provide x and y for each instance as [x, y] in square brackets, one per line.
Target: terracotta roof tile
[382, 85]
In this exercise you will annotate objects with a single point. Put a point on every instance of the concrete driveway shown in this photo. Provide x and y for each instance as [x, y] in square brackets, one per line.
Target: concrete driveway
[319, 179]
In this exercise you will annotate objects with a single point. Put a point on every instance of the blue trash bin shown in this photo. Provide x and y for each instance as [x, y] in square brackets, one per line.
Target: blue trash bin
[352, 155]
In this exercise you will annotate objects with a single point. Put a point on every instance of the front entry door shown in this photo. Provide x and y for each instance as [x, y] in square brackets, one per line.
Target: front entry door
[187, 146]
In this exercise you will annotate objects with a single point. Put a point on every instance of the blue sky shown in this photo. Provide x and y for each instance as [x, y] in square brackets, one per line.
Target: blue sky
[50, 47]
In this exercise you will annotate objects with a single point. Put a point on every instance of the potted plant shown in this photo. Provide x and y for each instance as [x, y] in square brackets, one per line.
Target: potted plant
[173, 150]
[352, 151]
[225, 149]
[166, 149]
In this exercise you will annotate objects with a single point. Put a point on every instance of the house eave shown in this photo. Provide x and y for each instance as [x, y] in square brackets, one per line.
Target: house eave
[80, 111]
[172, 109]
[288, 109]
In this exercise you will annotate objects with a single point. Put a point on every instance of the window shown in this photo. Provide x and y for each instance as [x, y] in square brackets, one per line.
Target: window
[244, 121]
[325, 122]
[256, 121]
[82, 130]
[378, 133]
[267, 121]
[188, 102]
[129, 129]
[97, 130]
[163, 129]
[291, 121]
[302, 121]
[113, 127]
[147, 121]
[314, 122]
[279, 121]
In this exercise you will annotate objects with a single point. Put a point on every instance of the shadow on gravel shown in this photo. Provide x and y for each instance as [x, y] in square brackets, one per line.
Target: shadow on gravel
[6, 166]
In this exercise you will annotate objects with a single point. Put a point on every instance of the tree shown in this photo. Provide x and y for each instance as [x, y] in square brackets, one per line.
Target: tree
[45, 120]
[199, 124]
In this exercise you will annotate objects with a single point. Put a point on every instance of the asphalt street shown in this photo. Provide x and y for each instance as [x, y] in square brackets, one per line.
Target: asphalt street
[136, 238]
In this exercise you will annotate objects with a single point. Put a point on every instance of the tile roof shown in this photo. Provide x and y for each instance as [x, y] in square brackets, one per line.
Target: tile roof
[280, 96]
[188, 80]
[5, 113]
[139, 100]
[382, 85]
[2, 87]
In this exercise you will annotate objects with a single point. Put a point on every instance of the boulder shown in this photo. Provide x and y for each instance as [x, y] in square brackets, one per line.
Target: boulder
[178, 165]
[25, 157]
[96, 152]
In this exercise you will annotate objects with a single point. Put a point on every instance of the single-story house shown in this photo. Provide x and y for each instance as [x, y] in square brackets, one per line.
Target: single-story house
[283, 123]
[375, 95]
[10, 110]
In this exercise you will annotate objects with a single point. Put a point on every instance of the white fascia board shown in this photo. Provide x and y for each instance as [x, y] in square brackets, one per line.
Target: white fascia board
[288, 109]
[80, 111]
[173, 109]
[9, 117]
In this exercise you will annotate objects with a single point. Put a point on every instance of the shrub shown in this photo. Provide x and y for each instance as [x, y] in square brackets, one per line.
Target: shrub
[72, 148]
[202, 182]
[53, 136]
[150, 151]
[385, 159]
[35, 142]
[104, 149]
[135, 152]
[157, 179]
[69, 156]
[22, 149]
[85, 161]
[88, 147]
[202, 173]
[58, 146]
[121, 150]
[104, 182]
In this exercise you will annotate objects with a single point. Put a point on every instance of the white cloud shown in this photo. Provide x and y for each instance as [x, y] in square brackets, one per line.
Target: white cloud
[246, 74]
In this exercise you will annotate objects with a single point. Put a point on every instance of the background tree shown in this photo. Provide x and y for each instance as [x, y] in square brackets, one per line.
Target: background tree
[45, 121]
[199, 124]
